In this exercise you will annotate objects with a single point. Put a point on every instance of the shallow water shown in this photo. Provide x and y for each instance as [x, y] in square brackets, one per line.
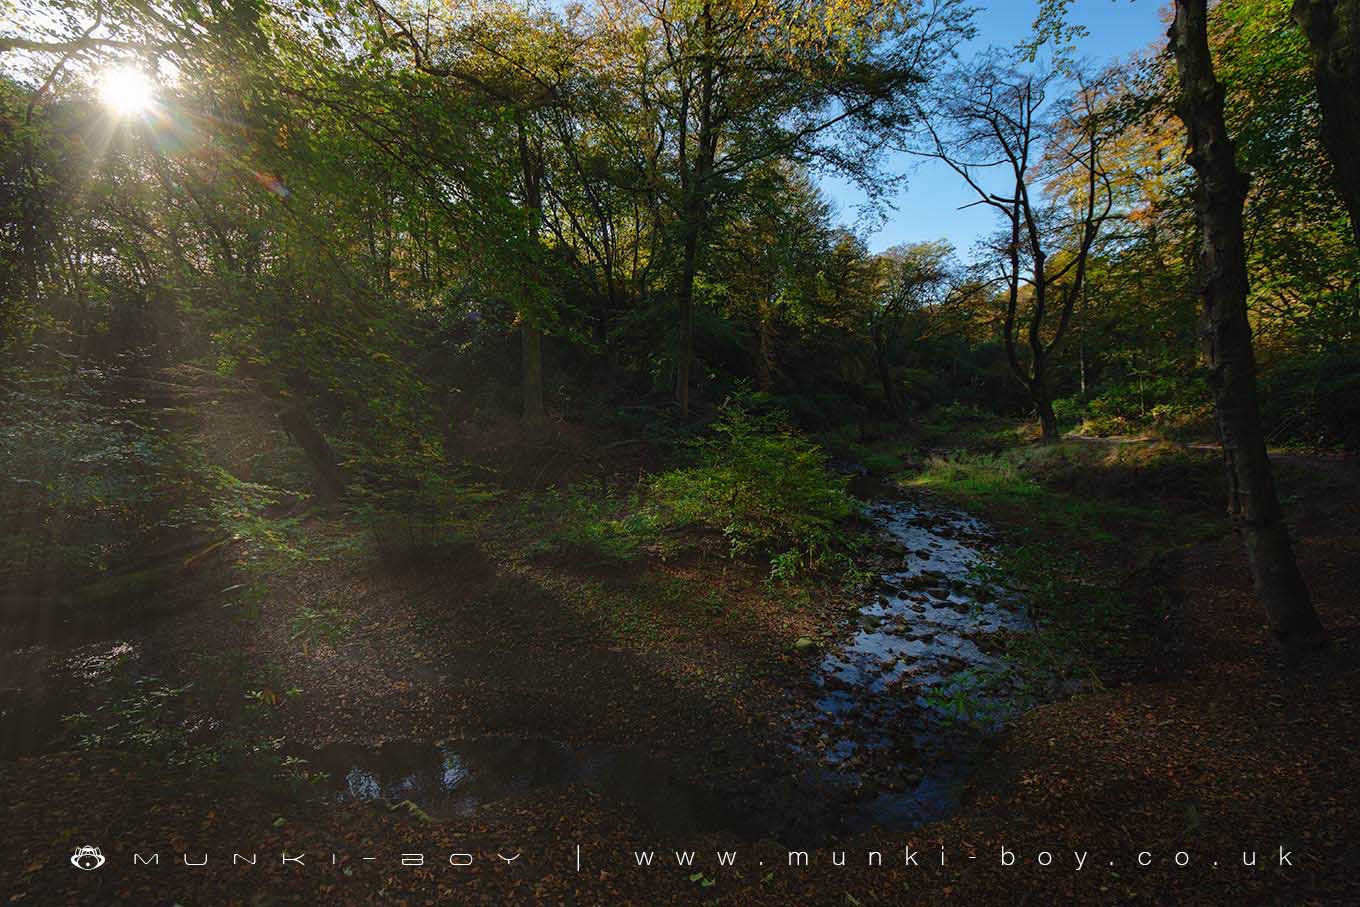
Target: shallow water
[878, 733]
[887, 719]
[873, 732]
[456, 778]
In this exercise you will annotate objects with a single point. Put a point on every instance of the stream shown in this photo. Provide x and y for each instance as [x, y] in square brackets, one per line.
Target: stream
[894, 717]
[903, 706]
[453, 780]
[885, 726]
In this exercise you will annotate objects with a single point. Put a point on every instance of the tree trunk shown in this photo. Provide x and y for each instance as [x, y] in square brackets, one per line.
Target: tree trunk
[1048, 420]
[688, 269]
[531, 341]
[531, 336]
[1333, 31]
[1037, 383]
[1252, 503]
[765, 366]
[330, 482]
[884, 373]
[1038, 378]
[1081, 340]
[695, 206]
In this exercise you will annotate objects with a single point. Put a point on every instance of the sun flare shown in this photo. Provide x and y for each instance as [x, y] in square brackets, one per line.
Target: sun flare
[127, 91]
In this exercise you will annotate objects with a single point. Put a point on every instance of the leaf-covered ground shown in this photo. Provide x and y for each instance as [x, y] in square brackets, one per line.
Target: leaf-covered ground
[1223, 751]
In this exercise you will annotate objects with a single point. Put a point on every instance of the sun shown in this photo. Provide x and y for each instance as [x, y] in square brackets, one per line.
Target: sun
[127, 91]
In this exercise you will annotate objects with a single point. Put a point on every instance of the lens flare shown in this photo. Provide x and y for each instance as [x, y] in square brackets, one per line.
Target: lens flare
[127, 91]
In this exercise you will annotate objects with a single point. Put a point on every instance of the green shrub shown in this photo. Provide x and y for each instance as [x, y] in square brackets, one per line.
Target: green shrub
[1173, 405]
[1314, 401]
[611, 528]
[962, 425]
[413, 504]
[956, 416]
[1070, 412]
[81, 481]
[882, 462]
[765, 487]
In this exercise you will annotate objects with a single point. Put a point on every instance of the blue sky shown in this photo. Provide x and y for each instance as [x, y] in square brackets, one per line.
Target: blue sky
[928, 207]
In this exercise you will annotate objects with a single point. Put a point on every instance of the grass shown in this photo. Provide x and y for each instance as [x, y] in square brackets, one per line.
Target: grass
[969, 428]
[1082, 521]
[1082, 493]
[997, 485]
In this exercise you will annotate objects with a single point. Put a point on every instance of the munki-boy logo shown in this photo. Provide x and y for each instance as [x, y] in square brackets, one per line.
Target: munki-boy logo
[87, 858]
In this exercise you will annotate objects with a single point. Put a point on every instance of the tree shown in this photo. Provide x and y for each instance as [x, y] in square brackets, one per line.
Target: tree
[995, 118]
[1253, 505]
[914, 284]
[1333, 31]
[724, 86]
[519, 62]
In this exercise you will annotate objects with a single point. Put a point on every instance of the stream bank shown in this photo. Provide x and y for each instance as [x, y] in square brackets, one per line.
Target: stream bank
[877, 727]
[885, 727]
[1221, 753]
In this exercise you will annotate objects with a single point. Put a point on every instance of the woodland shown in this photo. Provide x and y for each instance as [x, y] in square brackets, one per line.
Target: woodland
[474, 428]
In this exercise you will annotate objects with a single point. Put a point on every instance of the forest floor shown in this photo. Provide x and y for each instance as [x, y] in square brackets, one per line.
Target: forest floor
[1189, 736]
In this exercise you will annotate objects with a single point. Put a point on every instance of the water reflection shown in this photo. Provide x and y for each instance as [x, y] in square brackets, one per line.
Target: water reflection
[456, 778]
[887, 715]
[876, 726]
